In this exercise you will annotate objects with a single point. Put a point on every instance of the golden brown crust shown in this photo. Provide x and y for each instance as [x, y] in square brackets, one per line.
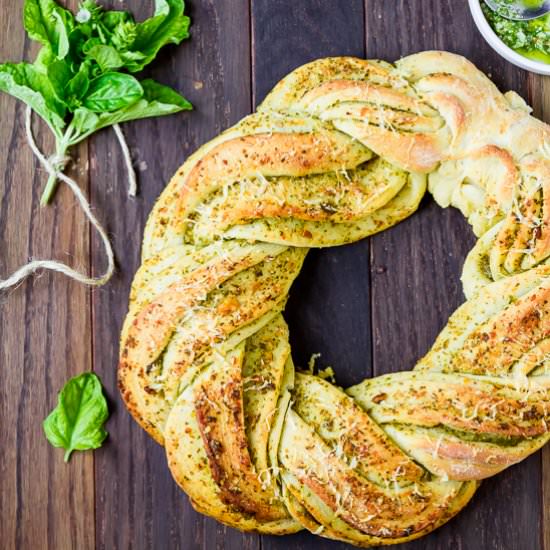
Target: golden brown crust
[340, 149]
[220, 417]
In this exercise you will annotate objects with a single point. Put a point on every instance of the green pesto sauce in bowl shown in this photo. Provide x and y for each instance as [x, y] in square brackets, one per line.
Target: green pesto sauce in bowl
[529, 38]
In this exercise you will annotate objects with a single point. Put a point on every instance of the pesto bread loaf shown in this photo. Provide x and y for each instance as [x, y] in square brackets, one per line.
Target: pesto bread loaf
[340, 149]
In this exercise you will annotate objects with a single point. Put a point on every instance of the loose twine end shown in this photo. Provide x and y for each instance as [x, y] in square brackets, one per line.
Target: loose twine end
[132, 180]
[54, 166]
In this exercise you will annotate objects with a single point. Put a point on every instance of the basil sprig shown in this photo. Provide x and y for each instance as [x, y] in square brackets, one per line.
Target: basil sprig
[80, 81]
[76, 423]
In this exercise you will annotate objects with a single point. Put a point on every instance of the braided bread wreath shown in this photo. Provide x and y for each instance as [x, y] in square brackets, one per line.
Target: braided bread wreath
[340, 149]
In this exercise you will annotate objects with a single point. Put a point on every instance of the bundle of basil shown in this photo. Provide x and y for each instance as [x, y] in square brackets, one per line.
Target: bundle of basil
[80, 81]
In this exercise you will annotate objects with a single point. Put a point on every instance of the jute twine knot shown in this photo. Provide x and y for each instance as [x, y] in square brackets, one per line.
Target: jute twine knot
[54, 165]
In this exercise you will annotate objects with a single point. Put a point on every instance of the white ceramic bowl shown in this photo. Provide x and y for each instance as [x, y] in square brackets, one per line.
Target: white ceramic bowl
[500, 47]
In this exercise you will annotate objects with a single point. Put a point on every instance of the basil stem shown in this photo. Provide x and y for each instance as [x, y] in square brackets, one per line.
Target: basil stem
[58, 162]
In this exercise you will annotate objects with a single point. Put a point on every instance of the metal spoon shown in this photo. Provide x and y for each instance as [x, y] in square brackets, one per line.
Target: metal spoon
[519, 10]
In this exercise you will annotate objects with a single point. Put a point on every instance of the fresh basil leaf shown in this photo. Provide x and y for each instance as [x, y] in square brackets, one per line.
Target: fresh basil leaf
[103, 33]
[85, 48]
[80, 34]
[39, 21]
[77, 38]
[85, 122]
[106, 57]
[162, 99]
[157, 100]
[124, 35]
[27, 83]
[48, 23]
[78, 86]
[69, 87]
[112, 19]
[59, 74]
[90, 44]
[76, 423]
[168, 25]
[43, 59]
[62, 36]
[112, 91]
[131, 57]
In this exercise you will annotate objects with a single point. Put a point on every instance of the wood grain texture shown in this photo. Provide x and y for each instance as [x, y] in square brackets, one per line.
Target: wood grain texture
[45, 334]
[369, 308]
[138, 504]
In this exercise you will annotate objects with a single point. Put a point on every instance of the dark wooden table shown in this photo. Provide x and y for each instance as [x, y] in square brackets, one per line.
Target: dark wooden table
[369, 308]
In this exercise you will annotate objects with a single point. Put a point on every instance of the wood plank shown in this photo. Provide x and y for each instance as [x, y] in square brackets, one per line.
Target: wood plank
[329, 296]
[539, 99]
[138, 503]
[416, 268]
[45, 331]
[329, 305]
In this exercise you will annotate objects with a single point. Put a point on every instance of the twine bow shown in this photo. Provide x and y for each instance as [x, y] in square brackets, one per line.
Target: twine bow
[54, 165]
